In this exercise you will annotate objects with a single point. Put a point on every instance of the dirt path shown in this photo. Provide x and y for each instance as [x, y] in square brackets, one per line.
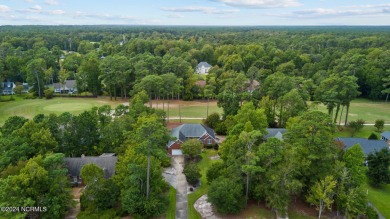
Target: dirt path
[72, 214]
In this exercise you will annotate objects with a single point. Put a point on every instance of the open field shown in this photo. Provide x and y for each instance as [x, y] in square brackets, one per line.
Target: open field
[189, 109]
[30, 108]
[196, 110]
[364, 109]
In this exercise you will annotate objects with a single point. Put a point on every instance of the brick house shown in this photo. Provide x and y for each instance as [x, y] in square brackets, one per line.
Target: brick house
[190, 131]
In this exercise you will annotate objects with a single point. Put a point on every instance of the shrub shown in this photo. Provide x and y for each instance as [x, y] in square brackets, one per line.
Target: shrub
[212, 120]
[373, 136]
[371, 213]
[192, 148]
[378, 167]
[49, 93]
[221, 128]
[226, 195]
[379, 124]
[192, 173]
[214, 171]
[356, 126]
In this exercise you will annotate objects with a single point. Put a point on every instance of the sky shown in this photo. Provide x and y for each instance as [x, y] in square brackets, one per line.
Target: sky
[195, 12]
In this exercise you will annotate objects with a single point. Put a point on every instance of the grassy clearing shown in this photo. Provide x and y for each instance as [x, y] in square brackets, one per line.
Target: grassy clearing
[190, 109]
[365, 132]
[30, 108]
[203, 165]
[380, 197]
[363, 109]
[171, 210]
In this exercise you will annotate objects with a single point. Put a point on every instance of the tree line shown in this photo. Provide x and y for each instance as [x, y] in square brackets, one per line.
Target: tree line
[117, 59]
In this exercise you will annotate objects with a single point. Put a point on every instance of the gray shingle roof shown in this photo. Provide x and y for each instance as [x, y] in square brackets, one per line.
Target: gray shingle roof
[205, 64]
[275, 132]
[8, 86]
[185, 131]
[74, 164]
[69, 85]
[386, 134]
[368, 146]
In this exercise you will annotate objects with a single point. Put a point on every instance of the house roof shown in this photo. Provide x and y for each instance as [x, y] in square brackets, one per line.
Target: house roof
[204, 64]
[185, 131]
[386, 134]
[69, 84]
[200, 83]
[275, 132]
[368, 146]
[252, 86]
[8, 86]
[74, 164]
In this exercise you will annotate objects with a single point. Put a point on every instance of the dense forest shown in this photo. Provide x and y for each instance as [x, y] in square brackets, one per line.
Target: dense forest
[122, 60]
[292, 65]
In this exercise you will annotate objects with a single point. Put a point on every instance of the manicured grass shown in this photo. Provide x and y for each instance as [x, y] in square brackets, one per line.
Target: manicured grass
[193, 121]
[365, 132]
[380, 197]
[30, 108]
[190, 109]
[363, 109]
[203, 165]
[171, 210]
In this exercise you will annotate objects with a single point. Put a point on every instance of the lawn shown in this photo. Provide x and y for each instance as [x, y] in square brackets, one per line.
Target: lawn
[365, 132]
[363, 109]
[189, 109]
[171, 209]
[203, 165]
[30, 108]
[380, 197]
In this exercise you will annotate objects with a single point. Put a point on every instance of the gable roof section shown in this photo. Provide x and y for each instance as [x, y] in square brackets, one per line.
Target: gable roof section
[107, 164]
[368, 146]
[275, 132]
[185, 131]
[69, 84]
[204, 64]
[386, 134]
[8, 86]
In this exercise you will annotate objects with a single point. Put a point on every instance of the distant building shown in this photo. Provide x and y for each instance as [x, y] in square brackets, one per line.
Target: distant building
[184, 132]
[200, 83]
[203, 68]
[68, 88]
[275, 133]
[8, 88]
[386, 137]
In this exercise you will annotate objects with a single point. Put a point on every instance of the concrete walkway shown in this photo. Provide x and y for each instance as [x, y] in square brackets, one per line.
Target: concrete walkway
[181, 188]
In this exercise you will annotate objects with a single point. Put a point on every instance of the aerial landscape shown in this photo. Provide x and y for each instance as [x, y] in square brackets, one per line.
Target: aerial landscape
[194, 109]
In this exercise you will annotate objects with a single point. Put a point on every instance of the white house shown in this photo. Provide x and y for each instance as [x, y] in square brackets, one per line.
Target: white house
[203, 68]
[8, 88]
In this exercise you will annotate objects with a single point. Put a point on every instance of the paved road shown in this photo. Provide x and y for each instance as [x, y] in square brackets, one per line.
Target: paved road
[181, 188]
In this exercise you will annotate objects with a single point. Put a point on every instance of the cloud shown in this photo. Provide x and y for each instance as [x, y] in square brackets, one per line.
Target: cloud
[201, 9]
[4, 9]
[56, 12]
[260, 3]
[174, 16]
[35, 9]
[52, 2]
[356, 10]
